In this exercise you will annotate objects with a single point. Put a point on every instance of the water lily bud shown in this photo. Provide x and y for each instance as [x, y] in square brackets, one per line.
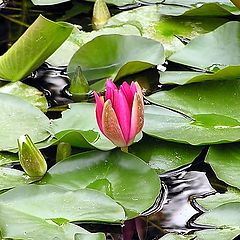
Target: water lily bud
[64, 150]
[120, 115]
[100, 14]
[79, 83]
[31, 159]
[236, 3]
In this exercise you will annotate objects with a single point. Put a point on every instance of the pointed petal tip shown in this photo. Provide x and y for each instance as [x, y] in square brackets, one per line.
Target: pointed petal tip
[110, 84]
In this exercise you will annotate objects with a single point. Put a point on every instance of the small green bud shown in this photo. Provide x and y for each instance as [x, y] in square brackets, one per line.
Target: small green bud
[31, 159]
[100, 14]
[79, 84]
[64, 150]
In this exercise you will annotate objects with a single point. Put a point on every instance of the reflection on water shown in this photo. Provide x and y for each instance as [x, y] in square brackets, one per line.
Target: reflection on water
[182, 187]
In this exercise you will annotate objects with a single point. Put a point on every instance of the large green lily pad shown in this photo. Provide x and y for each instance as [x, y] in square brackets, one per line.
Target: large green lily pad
[209, 51]
[123, 177]
[224, 218]
[107, 59]
[157, 22]
[60, 203]
[209, 113]
[15, 224]
[19, 117]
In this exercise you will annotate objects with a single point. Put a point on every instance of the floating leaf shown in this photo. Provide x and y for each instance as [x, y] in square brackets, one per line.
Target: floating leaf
[8, 158]
[175, 236]
[18, 118]
[164, 23]
[209, 113]
[27, 93]
[10, 178]
[185, 77]
[124, 177]
[60, 203]
[92, 236]
[222, 233]
[213, 201]
[224, 218]
[225, 161]
[16, 224]
[209, 51]
[164, 156]
[33, 48]
[107, 58]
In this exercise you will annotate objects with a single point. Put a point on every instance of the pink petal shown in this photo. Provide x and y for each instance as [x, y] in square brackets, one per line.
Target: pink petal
[110, 87]
[99, 109]
[111, 127]
[137, 118]
[133, 88]
[125, 88]
[110, 84]
[123, 112]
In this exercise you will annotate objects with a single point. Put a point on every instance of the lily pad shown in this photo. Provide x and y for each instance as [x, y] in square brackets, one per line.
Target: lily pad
[164, 156]
[165, 22]
[175, 236]
[27, 93]
[221, 233]
[10, 178]
[224, 218]
[107, 58]
[124, 177]
[15, 224]
[185, 77]
[33, 48]
[92, 236]
[204, 113]
[78, 38]
[224, 160]
[8, 158]
[59, 203]
[209, 50]
[78, 126]
[213, 201]
[18, 118]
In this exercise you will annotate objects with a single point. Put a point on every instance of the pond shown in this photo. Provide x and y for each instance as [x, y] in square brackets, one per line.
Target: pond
[119, 119]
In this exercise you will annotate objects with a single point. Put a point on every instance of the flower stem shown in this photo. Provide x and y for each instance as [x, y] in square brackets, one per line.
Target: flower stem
[124, 149]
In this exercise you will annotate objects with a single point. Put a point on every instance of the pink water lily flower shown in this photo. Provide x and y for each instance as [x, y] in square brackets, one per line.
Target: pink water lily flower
[120, 115]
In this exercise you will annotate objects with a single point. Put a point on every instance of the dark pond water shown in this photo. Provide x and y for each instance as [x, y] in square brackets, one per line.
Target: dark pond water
[175, 210]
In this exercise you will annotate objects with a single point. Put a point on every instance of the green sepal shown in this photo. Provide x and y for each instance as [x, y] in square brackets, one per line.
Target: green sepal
[31, 159]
